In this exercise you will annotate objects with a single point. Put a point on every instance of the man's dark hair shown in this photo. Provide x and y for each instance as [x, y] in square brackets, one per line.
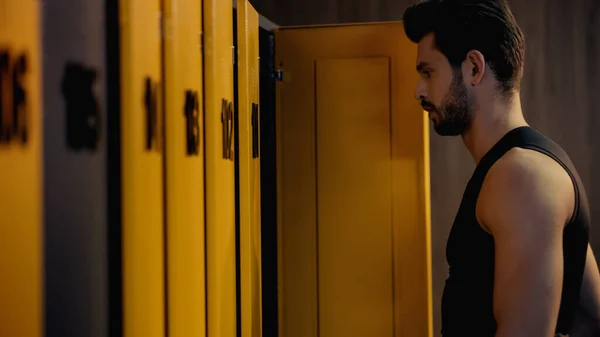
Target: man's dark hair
[460, 26]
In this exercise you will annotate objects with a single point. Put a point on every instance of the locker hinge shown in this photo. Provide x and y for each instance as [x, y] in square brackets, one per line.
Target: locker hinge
[202, 43]
[233, 54]
[161, 26]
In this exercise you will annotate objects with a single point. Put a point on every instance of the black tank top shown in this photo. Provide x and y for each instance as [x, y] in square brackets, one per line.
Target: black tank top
[467, 301]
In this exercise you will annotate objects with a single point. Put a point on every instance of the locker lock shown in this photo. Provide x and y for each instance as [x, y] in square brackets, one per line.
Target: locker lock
[13, 98]
[191, 113]
[227, 124]
[82, 108]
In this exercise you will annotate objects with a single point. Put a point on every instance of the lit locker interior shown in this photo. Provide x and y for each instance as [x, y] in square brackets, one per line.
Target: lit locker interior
[219, 167]
[352, 179]
[184, 168]
[75, 169]
[21, 176]
[141, 98]
[248, 208]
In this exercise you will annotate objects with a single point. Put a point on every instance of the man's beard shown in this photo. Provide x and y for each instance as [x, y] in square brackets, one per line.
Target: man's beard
[456, 111]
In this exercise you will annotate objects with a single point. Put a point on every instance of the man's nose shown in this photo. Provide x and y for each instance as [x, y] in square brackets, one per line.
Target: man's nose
[420, 92]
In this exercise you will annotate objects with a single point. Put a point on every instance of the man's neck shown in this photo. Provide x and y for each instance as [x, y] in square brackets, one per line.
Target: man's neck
[490, 124]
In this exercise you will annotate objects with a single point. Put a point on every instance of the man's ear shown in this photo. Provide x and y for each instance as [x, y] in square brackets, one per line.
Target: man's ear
[475, 64]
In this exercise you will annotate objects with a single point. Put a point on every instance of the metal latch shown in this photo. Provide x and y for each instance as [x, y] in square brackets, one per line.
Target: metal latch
[279, 75]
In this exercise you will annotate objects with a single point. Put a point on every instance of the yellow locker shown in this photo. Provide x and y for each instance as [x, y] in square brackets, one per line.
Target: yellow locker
[219, 166]
[249, 169]
[21, 254]
[142, 168]
[353, 188]
[184, 156]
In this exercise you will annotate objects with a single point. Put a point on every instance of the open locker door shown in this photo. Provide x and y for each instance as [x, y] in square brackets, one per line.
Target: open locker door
[249, 169]
[219, 168]
[353, 169]
[142, 168]
[75, 168]
[184, 166]
[21, 200]
[268, 182]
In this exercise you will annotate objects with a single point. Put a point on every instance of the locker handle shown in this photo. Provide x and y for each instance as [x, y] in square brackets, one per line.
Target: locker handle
[4, 87]
[13, 98]
[255, 134]
[191, 113]
[20, 99]
[151, 105]
[227, 124]
[82, 108]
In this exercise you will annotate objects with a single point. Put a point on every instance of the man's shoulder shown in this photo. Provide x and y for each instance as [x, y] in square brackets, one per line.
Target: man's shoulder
[525, 184]
[528, 166]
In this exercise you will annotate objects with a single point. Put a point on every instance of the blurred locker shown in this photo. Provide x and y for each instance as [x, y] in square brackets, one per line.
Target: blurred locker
[184, 155]
[21, 200]
[75, 168]
[249, 169]
[142, 148]
[219, 156]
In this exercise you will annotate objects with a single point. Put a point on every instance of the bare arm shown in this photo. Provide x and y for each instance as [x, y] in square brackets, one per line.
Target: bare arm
[590, 288]
[526, 215]
[586, 322]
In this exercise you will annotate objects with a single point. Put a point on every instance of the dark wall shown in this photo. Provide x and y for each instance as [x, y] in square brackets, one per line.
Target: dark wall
[561, 91]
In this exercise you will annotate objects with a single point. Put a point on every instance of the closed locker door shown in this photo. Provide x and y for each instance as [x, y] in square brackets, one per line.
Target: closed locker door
[184, 165]
[75, 179]
[249, 169]
[21, 231]
[142, 168]
[219, 161]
